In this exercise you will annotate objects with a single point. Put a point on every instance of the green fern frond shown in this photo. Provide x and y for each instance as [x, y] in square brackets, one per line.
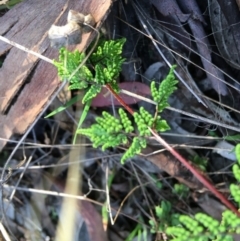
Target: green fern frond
[205, 227]
[99, 77]
[231, 222]
[236, 167]
[166, 88]
[141, 124]
[100, 136]
[144, 119]
[107, 62]
[201, 227]
[110, 127]
[235, 191]
[161, 125]
[236, 171]
[112, 132]
[91, 93]
[109, 130]
[107, 50]
[110, 123]
[68, 63]
[108, 58]
[126, 122]
[165, 216]
[135, 148]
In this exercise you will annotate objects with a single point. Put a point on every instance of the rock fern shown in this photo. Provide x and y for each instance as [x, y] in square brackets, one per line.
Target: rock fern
[102, 67]
[110, 131]
[161, 94]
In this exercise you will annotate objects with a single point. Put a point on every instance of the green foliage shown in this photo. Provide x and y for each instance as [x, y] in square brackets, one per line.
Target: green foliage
[107, 132]
[144, 119]
[181, 190]
[102, 67]
[108, 60]
[166, 88]
[65, 106]
[68, 63]
[201, 162]
[165, 216]
[111, 131]
[135, 148]
[106, 64]
[234, 188]
[201, 227]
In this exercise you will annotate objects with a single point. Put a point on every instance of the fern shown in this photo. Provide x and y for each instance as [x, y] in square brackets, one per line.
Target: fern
[68, 63]
[166, 217]
[107, 62]
[167, 87]
[201, 227]
[111, 131]
[107, 132]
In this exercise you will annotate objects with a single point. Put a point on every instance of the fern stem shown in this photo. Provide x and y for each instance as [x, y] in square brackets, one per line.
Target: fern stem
[120, 100]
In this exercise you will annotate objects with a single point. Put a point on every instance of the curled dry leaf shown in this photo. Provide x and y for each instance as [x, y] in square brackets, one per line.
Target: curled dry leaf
[65, 35]
[71, 33]
[75, 17]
